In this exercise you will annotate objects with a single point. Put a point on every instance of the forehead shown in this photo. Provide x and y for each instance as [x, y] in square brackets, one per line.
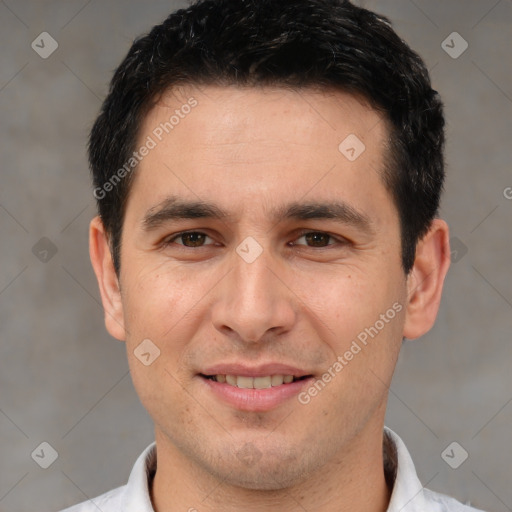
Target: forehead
[239, 111]
[270, 142]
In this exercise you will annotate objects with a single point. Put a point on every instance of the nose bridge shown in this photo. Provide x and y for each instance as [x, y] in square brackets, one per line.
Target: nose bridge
[252, 300]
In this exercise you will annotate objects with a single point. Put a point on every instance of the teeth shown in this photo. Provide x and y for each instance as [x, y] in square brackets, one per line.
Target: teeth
[245, 382]
[230, 379]
[254, 382]
[277, 380]
[262, 382]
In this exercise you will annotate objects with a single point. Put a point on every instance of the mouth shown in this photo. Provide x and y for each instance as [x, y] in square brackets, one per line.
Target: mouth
[261, 382]
[255, 390]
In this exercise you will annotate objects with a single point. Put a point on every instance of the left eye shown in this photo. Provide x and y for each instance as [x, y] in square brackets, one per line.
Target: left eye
[317, 238]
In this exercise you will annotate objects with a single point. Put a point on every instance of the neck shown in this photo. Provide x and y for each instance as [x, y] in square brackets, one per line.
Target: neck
[352, 481]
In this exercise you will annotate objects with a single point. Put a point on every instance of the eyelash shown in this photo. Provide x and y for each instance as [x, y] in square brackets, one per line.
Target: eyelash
[169, 241]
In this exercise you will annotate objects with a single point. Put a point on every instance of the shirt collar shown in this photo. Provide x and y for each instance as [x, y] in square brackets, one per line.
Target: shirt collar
[407, 494]
[137, 497]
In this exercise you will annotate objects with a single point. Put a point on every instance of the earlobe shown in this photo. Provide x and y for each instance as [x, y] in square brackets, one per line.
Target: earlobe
[108, 283]
[425, 281]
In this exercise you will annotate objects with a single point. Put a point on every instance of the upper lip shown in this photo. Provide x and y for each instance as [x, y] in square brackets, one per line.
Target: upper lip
[244, 370]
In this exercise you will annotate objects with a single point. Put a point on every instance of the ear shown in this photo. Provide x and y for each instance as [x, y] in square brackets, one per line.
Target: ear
[425, 280]
[101, 259]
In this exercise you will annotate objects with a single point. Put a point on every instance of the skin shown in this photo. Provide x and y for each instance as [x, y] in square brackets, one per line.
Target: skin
[249, 151]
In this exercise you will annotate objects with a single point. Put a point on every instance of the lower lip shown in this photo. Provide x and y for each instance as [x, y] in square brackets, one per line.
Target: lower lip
[256, 400]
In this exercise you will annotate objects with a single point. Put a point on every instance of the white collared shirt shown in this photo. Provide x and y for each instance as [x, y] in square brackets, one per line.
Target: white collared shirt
[408, 494]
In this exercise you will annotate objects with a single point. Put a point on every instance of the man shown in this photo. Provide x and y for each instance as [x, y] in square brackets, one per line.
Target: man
[268, 176]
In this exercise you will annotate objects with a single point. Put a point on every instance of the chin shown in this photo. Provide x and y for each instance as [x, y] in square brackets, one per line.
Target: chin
[260, 479]
[271, 472]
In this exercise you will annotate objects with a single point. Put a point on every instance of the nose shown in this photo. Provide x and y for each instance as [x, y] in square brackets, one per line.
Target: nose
[252, 302]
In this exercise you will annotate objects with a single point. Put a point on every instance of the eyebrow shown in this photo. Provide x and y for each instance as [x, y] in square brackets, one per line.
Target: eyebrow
[174, 208]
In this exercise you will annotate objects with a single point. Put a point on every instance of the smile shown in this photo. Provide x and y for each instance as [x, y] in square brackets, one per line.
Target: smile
[255, 393]
[245, 382]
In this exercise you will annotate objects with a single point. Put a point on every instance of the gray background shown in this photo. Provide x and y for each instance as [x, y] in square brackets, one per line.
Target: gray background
[63, 380]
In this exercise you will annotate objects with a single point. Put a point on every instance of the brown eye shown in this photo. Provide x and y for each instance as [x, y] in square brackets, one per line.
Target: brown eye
[188, 239]
[316, 238]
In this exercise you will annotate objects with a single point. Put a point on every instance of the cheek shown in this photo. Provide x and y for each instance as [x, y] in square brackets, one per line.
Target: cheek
[156, 298]
[159, 391]
[157, 305]
[345, 300]
[362, 317]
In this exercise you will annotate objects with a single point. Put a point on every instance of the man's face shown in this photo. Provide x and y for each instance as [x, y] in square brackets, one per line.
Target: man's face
[255, 293]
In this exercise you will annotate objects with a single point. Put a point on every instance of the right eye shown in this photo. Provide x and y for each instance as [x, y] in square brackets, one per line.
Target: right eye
[190, 239]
